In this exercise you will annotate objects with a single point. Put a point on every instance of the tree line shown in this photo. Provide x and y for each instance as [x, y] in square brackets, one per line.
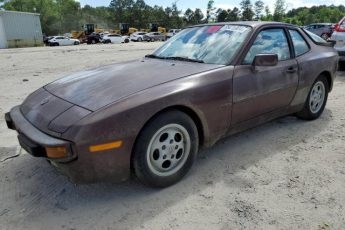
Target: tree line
[61, 16]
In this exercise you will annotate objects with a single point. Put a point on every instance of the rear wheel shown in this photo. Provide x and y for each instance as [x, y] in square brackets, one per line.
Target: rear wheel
[140, 39]
[76, 43]
[165, 149]
[316, 100]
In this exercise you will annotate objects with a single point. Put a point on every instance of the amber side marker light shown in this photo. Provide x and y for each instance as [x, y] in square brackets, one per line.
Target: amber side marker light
[56, 152]
[107, 146]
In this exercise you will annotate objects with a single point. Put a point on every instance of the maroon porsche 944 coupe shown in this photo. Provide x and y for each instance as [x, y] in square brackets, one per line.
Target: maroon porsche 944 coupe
[149, 117]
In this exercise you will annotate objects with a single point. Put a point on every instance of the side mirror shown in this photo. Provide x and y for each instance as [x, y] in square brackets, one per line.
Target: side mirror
[265, 60]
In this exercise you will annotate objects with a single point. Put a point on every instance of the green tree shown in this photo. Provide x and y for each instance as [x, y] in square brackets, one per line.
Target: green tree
[210, 11]
[189, 16]
[258, 8]
[222, 15]
[279, 10]
[198, 16]
[247, 10]
[233, 15]
[268, 15]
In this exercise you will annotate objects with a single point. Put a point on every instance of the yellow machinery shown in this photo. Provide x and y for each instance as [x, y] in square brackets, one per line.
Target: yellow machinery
[90, 28]
[155, 28]
[125, 29]
[87, 30]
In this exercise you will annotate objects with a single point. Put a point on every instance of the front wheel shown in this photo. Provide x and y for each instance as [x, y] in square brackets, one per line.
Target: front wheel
[165, 149]
[316, 101]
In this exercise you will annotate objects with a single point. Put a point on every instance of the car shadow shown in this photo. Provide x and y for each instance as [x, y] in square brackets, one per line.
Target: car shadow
[35, 195]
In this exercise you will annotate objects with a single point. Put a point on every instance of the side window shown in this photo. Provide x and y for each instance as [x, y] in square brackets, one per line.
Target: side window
[269, 41]
[300, 45]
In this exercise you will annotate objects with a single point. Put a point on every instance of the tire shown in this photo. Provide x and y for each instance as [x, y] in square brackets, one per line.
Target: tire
[126, 40]
[76, 43]
[93, 41]
[313, 107]
[159, 159]
[140, 39]
[152, 39]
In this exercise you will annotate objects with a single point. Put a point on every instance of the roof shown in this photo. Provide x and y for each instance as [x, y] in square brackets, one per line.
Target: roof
[325, 23]
[247, 23]
[16, 12]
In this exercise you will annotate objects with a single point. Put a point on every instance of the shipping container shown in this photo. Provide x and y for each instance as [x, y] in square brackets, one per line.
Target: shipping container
[20, 29]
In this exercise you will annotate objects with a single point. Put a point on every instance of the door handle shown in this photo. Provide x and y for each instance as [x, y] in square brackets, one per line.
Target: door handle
[291, 70]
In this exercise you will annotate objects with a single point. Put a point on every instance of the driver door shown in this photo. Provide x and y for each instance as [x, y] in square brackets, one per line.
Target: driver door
[264, 89]
[64, 41]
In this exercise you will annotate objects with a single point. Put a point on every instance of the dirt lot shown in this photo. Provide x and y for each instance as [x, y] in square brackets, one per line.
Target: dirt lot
[287, 174]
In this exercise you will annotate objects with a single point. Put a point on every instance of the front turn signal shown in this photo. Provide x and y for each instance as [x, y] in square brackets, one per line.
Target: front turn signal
[57, 152]
[107, 146]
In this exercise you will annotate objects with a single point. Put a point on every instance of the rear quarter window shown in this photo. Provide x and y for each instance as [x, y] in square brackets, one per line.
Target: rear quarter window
[300, 45]
[316, 39]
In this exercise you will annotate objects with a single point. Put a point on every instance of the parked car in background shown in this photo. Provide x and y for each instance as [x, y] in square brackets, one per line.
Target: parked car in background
[103, 34]
[338, 37]
[46, 39]
[137, 36]
[93, 38]
[323, 30]
[149, 117]
[154, 36]
[115, 38]
[63, 41]
[172, 33]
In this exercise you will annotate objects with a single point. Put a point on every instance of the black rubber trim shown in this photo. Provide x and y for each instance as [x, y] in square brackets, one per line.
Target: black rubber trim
[9, 121]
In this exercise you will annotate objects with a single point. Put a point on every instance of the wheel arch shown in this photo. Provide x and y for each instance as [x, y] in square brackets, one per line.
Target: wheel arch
[329, 78]
[182, 108]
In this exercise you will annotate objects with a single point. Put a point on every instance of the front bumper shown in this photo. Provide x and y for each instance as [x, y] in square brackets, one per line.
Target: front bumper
[81, 166]
[341, 55]
[33, 140]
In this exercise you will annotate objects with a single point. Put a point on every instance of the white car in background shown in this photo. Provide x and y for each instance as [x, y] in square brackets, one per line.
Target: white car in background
[137, 36]
[63, 41]
[338, 37]
[115, 38]
[172, 33]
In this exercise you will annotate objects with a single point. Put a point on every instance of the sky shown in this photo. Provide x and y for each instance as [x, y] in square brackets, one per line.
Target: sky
[185, 4]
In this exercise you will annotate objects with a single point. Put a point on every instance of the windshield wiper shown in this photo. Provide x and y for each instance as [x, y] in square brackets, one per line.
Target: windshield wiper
[154, 56]
[175, 58]
[184, 59]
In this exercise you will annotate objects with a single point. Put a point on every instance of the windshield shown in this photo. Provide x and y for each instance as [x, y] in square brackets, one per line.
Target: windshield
[216, 44]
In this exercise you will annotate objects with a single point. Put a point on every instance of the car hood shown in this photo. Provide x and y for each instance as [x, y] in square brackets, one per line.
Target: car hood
[96, 88]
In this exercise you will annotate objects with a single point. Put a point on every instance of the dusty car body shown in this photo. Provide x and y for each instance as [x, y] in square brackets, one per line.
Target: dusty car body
[99, 115]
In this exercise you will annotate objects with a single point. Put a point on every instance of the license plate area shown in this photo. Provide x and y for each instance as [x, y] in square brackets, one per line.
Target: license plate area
[31, 147]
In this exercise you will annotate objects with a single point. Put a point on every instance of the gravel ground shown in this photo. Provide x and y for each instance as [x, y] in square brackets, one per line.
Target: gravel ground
[287, 174]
